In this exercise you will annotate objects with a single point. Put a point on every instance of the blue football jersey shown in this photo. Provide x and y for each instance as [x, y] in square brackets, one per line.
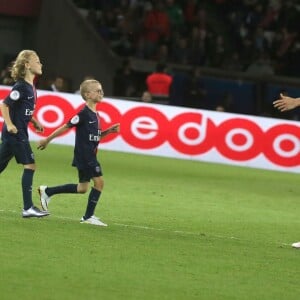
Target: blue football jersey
[21, 102]
[87, 137]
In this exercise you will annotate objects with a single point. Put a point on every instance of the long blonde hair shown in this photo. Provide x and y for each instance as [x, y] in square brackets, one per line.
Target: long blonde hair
[18, 70]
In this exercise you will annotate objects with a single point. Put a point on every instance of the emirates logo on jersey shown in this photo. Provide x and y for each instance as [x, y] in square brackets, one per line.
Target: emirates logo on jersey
[94, 138]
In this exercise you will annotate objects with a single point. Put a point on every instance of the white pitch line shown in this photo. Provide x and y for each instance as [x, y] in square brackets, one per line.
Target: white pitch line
[160, 229]
[154, 229]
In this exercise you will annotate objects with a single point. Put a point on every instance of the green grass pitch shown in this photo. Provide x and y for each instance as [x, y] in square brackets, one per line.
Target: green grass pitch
[177, 230]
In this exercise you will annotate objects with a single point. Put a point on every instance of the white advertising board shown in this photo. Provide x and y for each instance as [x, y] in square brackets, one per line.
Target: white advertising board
[178, 132]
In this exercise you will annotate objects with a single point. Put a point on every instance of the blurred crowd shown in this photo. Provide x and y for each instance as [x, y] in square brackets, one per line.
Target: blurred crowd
[254, 36]
[257, 37]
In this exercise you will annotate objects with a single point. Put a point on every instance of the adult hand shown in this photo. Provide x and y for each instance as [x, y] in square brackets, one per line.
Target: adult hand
[286, 103]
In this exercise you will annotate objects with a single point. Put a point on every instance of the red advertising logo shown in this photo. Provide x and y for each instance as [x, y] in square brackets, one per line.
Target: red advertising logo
[144, 127]
[283, 145]
[52, 112]
[239, 139]
[189, 133]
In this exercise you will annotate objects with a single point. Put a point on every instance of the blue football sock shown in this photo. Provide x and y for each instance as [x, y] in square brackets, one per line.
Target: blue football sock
[27, 179]
[92, 202]
[62, 189]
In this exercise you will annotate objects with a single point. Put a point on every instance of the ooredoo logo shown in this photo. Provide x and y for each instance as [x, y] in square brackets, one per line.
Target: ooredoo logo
[283, 145]
[144, 127]
[192, 133]
[239, 139]
[236, 138]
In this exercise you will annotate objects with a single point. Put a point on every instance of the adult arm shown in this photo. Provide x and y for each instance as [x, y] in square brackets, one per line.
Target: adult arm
[286, 103]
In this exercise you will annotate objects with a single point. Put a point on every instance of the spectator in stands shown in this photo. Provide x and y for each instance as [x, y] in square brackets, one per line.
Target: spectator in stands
[195, 14]
[124, 83]
[5, 77]
[195, 90]
[226, 103]
[146, 97]
[159, 82]
[260, 41]
[175, 14]
[233, 62]
[217, 52]
[189, 11]
[293, 61]
[254, 16]
[268, 22]
[58, 85]
[284, 46]
[247, 51]
[198, 45]
[180, 50]
[162, 53]
[220, 108]
[122, 39]
[156, 26]
[261, 66]
[178, 89]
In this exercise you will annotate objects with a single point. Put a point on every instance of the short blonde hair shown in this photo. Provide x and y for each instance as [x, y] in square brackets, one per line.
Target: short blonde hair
[18, 70]
[85, 86]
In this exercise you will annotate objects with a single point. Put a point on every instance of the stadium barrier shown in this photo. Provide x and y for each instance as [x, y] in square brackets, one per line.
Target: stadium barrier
[178, 132]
